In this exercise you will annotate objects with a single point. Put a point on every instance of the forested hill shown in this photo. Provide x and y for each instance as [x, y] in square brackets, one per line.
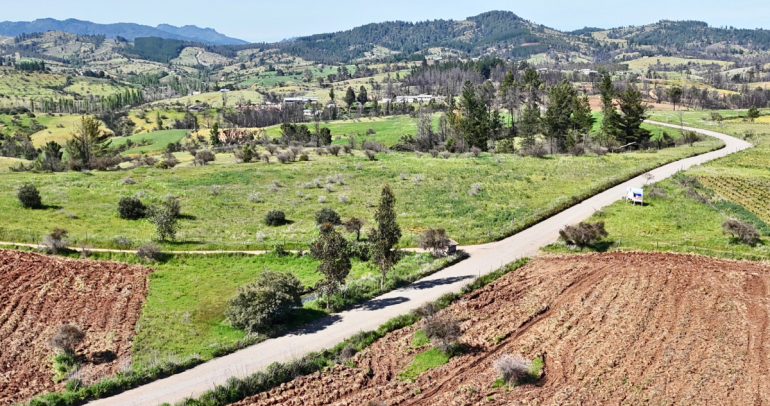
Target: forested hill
[688, 34]
[129, 31]
[502, 29]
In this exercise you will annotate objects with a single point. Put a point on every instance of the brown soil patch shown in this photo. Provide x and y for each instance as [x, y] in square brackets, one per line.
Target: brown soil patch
[596, 104]
[38, 293]
[616, 328]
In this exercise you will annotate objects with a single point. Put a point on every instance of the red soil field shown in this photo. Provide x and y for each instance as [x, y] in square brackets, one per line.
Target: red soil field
[614, 328]
[38, 293]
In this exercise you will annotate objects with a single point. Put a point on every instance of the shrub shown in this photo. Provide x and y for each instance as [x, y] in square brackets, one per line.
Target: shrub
[254, 197]
[327, 215]
[443, 330]
[55, 242]
[434, 239]
[417, 179]
[741, 231]
[73, 385]
[512, 368]
[371, 155]
[426, 309]
[204, 157]
[283, 157]
[131, 208]
[164, 217]
[149, 252]
[128, 181]
[261, 304]
[29, 197]
[583, 234]
[343, 198]
[348, 352]
[66, 337]
[476, 151]
[275, 218]
[334, 149]
[505, 146]
[445, 154]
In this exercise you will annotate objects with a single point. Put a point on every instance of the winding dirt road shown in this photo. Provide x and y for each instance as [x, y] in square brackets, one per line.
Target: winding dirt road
[329, 331]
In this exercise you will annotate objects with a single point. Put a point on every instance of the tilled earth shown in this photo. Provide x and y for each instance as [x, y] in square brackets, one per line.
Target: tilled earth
[38, 293]
[615, 328]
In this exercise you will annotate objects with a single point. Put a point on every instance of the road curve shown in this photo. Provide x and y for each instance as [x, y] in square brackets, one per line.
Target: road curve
[329, 331]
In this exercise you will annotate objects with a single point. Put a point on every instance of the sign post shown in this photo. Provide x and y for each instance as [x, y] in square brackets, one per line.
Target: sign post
[635, 195]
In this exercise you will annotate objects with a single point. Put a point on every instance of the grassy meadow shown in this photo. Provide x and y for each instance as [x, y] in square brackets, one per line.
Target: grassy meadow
[223, 205]
[736, 187]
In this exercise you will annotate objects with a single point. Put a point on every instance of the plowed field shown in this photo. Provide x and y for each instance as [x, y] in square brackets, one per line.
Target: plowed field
[616, 328]
[38, 293]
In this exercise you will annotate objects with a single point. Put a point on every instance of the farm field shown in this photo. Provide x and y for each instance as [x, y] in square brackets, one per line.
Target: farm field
[570, 314]
[733, 123]
[476, 200]
[679, 220]
[38, 293]
[643, 64]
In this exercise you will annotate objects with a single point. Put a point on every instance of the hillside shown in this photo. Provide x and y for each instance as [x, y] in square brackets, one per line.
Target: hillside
[619, 328]
[126, 30]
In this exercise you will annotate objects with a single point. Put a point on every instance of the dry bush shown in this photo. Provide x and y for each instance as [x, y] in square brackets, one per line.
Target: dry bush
[426, 309]
[445, 154]
[343, 198]
[435, 240]
[417, 179]
[537, 150]
[321, 199]
[55, 242]
[512, 368]
[433, 153]
[348, 352]
[204, 157]
[66, 337]
[583, 234]
[149, 252]
[254, 197]
[334, 149]
[283, 157]
[372, 146]
[418, 154]
[371, 155]
[657, 192]
[443, 330]
[128, 181]
[272, 149]
[265, 158]
[741, 231]
[476, 152]
[578, 149]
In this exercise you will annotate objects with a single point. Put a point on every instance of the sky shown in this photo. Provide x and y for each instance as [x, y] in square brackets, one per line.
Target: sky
[273, 20]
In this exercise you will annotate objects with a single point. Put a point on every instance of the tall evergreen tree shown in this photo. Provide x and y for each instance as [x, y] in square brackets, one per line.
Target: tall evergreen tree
[88, 141]
[363, 97]
[582, 118]
[558, 117]
[386, 235]
[473, 122]
[529, 125]
[609, 129]
[350, 98]
[633, 111]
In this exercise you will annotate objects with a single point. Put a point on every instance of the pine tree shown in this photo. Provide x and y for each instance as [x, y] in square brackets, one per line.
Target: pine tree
[88, 141]
[350, 97]
[473, 123]
[633, 115]
[363, 97]
[529, 126]
[558, 118]
[386, 235]
[214, 134]
[609, 129]
[582, 118]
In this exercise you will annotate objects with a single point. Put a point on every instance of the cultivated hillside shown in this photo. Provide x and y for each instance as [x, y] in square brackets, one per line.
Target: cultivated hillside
[619, 328]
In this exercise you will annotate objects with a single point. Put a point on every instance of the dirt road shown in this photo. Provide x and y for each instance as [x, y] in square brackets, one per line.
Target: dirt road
[329, 331]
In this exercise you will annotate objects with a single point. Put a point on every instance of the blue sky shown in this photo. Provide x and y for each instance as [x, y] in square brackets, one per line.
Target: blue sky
[260, 20]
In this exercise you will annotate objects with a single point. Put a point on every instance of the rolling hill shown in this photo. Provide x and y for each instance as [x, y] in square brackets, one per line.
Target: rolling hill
[129, 31]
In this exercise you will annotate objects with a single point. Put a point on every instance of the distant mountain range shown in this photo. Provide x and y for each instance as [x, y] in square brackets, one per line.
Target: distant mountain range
[129, 31]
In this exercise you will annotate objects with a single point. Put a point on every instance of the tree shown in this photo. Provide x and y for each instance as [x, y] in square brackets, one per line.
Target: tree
[52, 157]
[558, 118]
[87, 141]
[214, 134]
[307, 76]
[529, 126]
[473, 123]
[509, 92]
[350, 97]
[331, 94]
[66, 337]
[674, 95]
[632, 116]
[753, 113]
[158, 121]
[354, 225]
[131, 208]
[268, 300]
[434, 239]
[325, 136]
[333, 252]
[29, 197]
[327, 215]
[582, 118]
[164, 217]
[386, 235]
[609, 127]
[363, 97]
[583, 234]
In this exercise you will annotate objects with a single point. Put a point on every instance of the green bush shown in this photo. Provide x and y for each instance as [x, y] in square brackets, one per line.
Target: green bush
[131, 208]
[73, 385]
[275, 218]
[327, 215]
[29, 197]
[265, 302]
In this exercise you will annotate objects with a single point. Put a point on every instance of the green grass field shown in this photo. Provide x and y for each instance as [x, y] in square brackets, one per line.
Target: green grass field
[158, 140]
[737, 187]
[733, 123]
[184, 311]
[58, 126]
[431, 192]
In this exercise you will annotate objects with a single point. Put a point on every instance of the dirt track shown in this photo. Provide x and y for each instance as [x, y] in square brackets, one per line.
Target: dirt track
[38, 293]
[619, 328]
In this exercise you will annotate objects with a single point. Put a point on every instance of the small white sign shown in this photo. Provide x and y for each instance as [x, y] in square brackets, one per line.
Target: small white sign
[635, 195]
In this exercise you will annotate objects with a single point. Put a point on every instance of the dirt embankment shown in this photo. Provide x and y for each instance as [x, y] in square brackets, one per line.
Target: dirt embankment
[38, 293]
[617, 328]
